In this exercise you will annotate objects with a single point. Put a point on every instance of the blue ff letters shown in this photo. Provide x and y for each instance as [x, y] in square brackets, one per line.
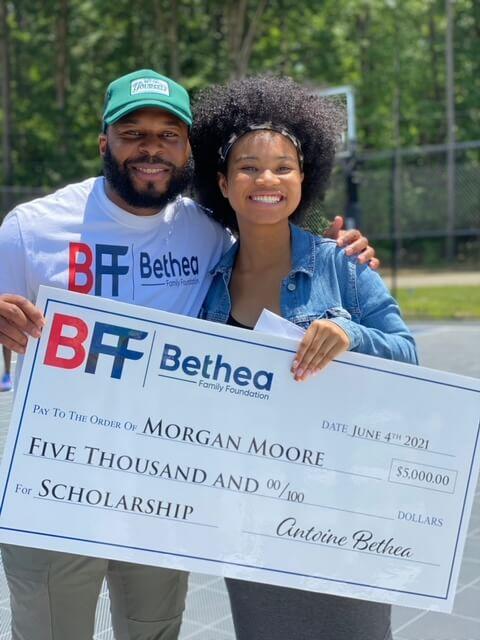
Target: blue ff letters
[112, 268]
[120, 351]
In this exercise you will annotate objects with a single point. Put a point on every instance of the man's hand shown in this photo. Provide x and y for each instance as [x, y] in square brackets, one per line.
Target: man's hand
[19, 318]
[322, 342]
[355, 243]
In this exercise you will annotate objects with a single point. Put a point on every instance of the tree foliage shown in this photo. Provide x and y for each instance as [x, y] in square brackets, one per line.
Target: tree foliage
[59, 55]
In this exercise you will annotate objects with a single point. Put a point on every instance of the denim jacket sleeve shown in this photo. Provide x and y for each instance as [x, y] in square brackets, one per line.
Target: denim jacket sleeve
[376, 327]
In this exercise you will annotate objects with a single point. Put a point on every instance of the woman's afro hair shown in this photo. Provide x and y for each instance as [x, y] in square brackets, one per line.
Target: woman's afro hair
[221, 110]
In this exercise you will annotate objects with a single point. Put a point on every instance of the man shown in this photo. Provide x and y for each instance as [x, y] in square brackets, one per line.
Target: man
[127, 236]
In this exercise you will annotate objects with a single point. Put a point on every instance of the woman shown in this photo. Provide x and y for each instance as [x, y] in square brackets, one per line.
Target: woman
[263, 150]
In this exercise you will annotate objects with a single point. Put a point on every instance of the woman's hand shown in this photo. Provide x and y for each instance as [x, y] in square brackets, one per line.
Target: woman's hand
[322, 342]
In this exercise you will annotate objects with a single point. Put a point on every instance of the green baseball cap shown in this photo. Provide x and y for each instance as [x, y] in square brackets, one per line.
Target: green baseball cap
[145, 88]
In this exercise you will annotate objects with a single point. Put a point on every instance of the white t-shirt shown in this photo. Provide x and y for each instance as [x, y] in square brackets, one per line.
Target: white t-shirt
[78, 239]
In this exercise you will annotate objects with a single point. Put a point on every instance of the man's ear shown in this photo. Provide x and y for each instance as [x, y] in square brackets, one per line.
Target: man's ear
[222, 184]
[102, 143]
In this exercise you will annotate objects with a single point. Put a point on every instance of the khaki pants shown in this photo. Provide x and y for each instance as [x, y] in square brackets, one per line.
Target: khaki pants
[54, 596]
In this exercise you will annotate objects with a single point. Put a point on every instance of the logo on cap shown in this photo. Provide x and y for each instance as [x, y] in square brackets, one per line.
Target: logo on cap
[149, 85]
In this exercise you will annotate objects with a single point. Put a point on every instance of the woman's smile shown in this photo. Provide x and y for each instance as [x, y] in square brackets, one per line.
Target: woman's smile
[267, 198]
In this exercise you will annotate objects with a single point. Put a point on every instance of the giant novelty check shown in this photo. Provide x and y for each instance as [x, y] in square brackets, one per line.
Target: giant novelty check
[149, 437]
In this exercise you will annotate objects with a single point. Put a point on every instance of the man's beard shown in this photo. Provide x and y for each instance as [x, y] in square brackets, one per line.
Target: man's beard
[118, 177]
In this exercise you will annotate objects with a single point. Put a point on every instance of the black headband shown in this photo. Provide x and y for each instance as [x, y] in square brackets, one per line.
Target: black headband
[225, 149]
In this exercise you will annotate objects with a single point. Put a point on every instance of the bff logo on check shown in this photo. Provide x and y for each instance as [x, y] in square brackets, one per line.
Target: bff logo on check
[72, 343]
[66, 347]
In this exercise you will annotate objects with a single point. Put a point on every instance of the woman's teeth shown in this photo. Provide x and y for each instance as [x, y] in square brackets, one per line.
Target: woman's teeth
[267, 199]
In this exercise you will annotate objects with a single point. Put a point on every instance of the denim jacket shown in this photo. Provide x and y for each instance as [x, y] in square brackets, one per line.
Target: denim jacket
[325, 283]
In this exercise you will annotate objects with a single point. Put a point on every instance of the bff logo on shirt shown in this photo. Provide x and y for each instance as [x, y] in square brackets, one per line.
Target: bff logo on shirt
[100, 269]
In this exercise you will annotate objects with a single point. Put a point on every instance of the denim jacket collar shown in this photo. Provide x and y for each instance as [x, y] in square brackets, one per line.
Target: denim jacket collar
[303, 254]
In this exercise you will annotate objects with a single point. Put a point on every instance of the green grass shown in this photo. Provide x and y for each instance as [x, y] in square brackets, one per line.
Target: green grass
[440, 302]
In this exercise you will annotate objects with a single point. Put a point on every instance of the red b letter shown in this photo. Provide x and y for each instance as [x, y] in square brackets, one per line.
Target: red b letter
[84, 267]
[56, 340]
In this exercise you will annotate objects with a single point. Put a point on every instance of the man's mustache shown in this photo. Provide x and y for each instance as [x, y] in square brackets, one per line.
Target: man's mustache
[151, 160]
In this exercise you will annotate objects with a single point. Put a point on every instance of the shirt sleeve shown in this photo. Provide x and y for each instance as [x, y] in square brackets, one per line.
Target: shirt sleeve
[380, 330]
[12, 257]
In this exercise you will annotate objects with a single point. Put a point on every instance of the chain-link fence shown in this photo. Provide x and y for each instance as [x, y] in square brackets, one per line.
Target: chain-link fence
[418, 204]
[405, 205]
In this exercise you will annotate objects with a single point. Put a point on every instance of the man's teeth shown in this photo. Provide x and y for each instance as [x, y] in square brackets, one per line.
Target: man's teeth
[150, 170]
[267, 199]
